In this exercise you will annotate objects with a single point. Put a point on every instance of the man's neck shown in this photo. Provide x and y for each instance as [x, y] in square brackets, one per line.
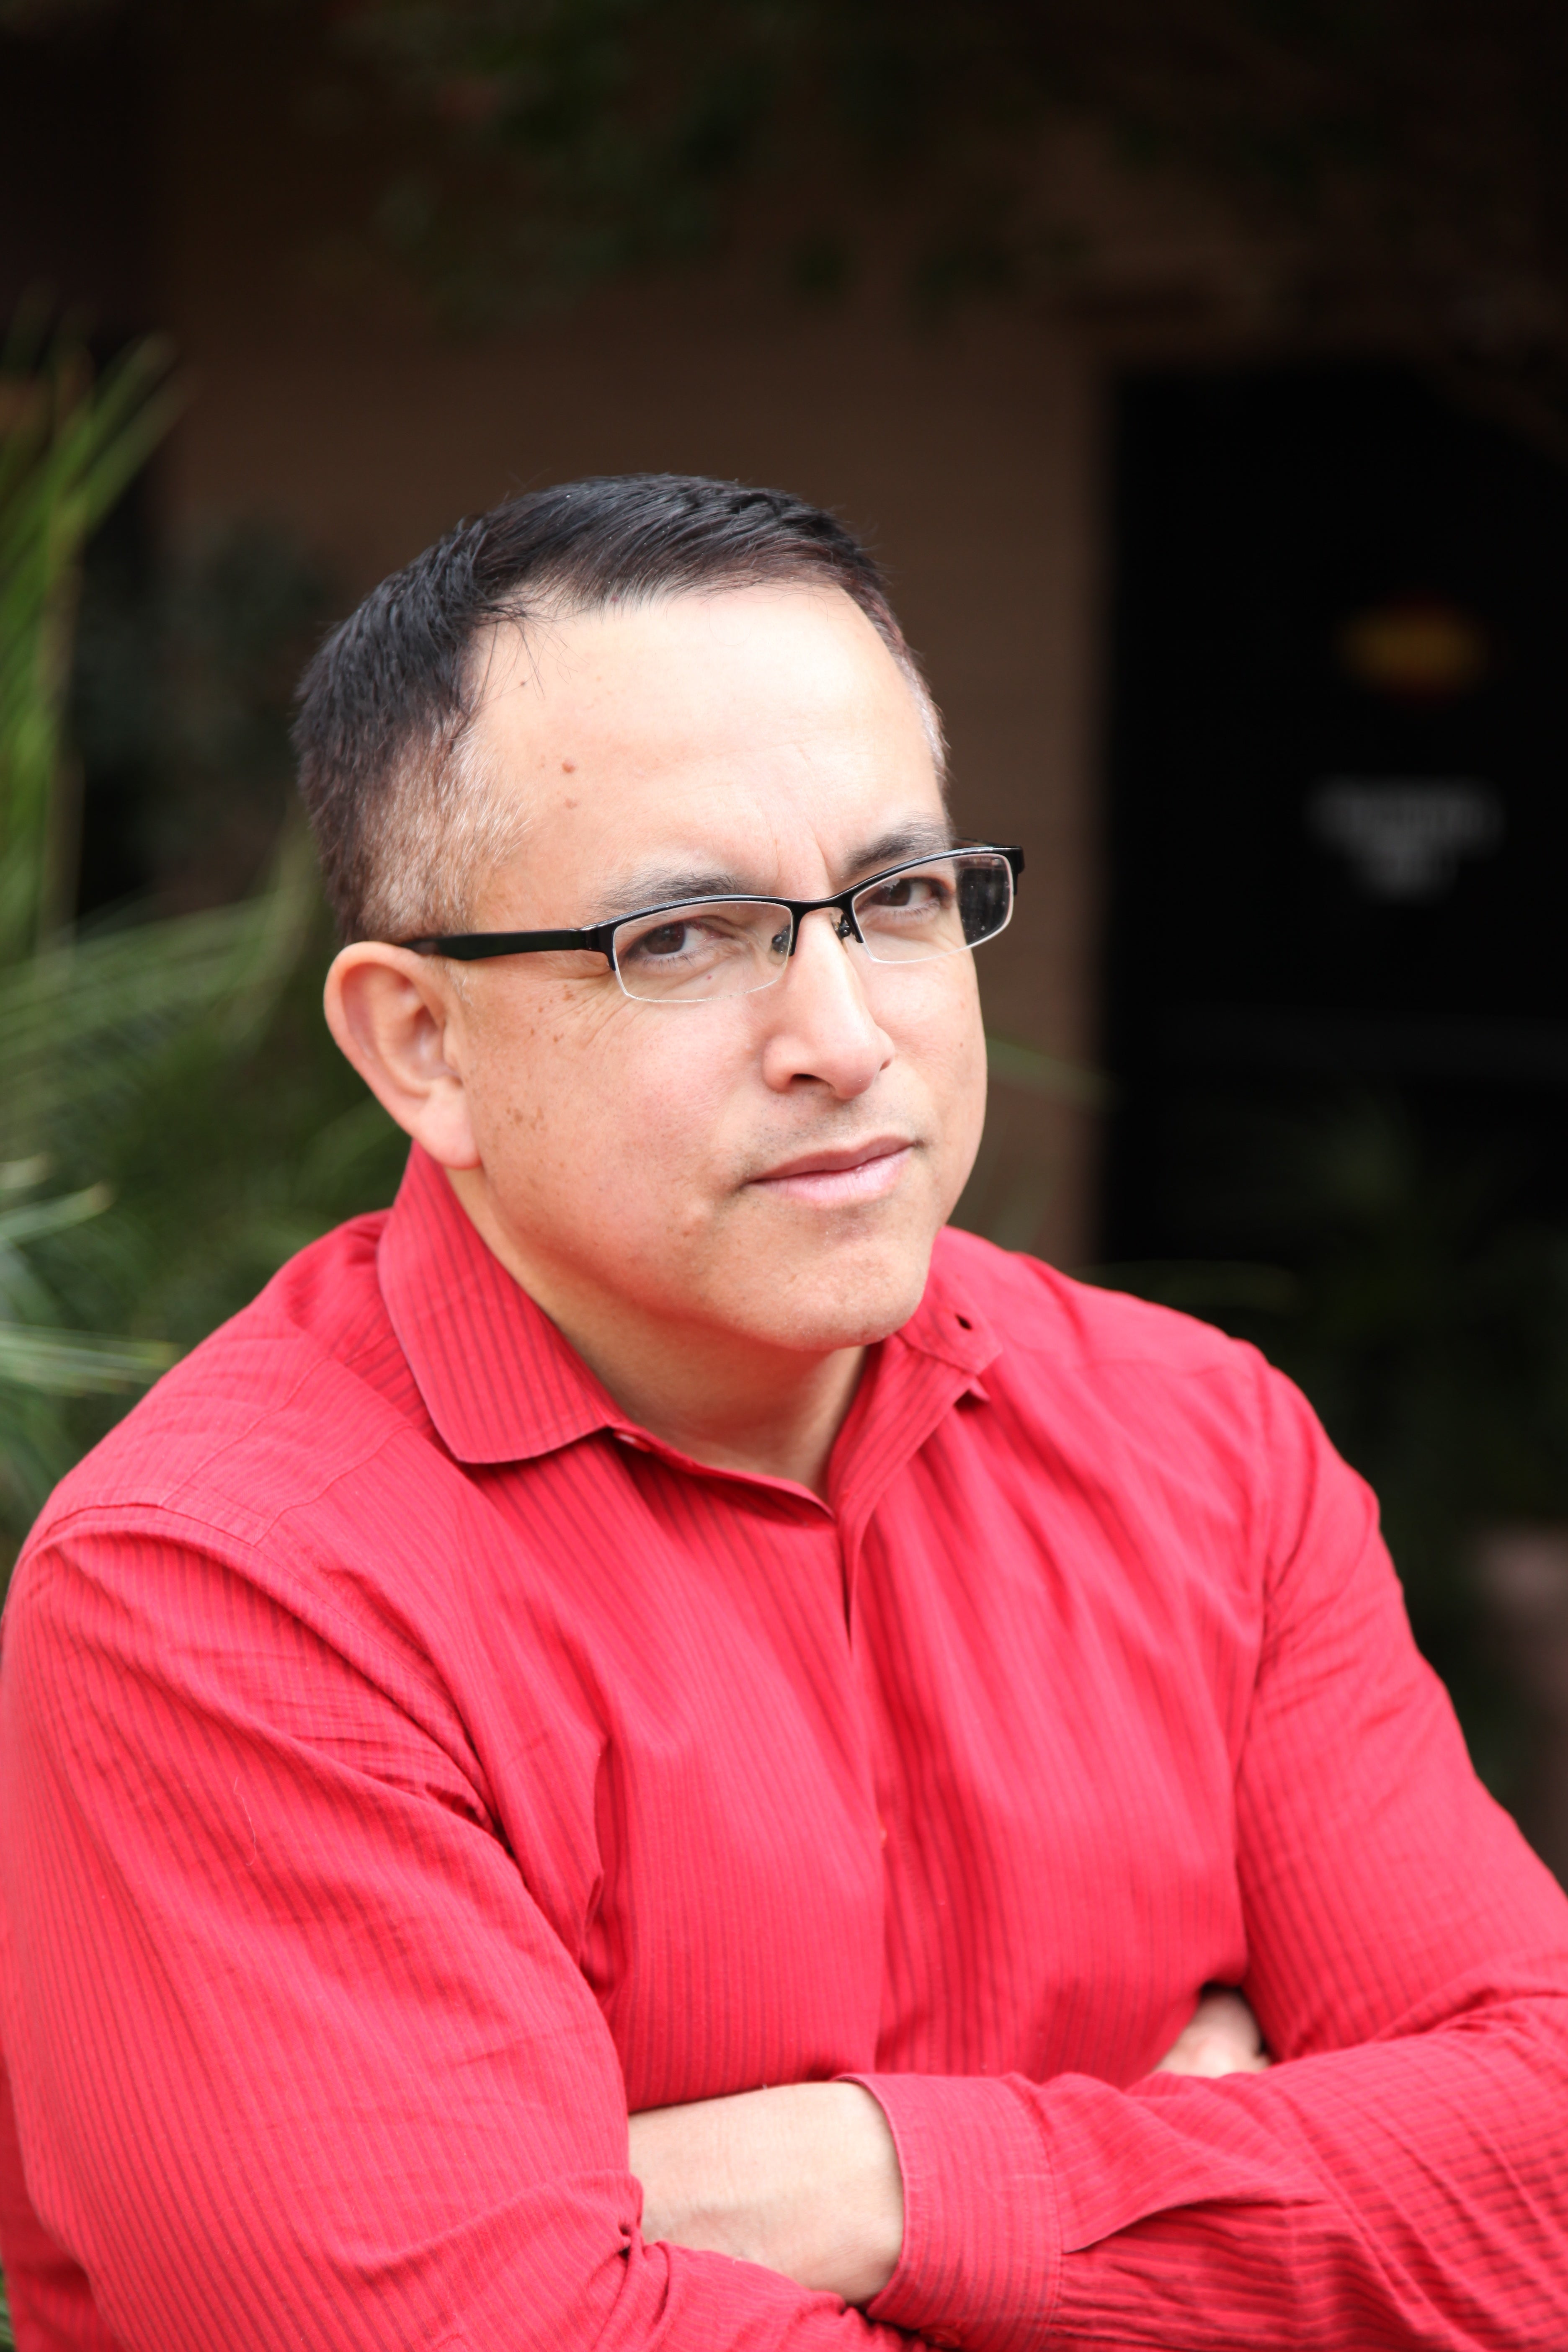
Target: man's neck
[782, 1424]
[729, 1401]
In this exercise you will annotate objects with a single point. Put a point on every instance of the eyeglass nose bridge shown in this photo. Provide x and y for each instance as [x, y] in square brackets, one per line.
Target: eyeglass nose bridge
[846, 929]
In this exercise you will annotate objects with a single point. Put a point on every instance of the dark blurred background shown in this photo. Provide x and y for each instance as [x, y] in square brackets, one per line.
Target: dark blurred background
[1200, 373]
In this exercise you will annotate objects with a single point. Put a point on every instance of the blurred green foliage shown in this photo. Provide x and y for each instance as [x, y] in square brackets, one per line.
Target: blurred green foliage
[174, 1120]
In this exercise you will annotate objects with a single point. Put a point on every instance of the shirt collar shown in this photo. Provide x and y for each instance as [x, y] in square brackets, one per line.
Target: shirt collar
[498, 1379]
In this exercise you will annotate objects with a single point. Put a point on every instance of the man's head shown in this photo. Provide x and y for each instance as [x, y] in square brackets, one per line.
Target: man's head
[405, 810]
[611, 696]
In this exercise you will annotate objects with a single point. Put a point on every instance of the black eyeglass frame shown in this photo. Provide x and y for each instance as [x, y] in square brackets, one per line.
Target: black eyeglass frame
[476, 947]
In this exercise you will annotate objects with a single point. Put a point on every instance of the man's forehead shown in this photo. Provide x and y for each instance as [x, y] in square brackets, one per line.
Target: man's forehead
[688, 665]
[746, 744]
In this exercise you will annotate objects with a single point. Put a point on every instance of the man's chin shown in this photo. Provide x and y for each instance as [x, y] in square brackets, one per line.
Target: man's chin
[843, 1305]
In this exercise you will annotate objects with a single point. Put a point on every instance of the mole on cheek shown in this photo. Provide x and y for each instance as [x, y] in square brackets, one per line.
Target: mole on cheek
[568, 767]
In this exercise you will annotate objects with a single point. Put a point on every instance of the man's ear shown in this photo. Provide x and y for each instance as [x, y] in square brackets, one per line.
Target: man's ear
[395, 1016]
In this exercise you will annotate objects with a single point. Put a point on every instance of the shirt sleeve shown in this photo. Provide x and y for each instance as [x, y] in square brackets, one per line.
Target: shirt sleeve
[296, 2059]
[1400, 2179]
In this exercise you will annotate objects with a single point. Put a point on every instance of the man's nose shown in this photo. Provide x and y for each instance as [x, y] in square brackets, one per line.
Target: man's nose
[820, 1025]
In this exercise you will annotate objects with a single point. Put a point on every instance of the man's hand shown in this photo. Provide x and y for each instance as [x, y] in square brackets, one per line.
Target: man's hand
[1220, 2038]
[803, 2179]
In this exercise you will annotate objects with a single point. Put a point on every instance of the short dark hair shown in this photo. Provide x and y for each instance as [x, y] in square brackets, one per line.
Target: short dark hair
[403, 817]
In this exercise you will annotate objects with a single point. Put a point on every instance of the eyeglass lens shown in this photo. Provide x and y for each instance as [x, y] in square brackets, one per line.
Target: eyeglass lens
[730, 947]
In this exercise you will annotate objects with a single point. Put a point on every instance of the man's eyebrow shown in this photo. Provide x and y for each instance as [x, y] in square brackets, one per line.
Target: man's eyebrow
[659, 886]
[926, 837]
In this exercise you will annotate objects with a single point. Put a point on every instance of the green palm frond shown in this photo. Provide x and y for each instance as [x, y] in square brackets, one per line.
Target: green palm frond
[31, 1218]
[81, 1023]
[78, 1363]
[69, 444]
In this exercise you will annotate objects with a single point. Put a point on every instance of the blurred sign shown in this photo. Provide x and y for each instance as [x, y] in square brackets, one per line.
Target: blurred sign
[1404, 837]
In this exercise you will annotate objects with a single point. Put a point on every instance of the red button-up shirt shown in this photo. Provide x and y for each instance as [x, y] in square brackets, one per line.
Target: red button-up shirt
[408, 1764]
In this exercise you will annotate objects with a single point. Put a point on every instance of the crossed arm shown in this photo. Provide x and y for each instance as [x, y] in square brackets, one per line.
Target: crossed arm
[805, 2178]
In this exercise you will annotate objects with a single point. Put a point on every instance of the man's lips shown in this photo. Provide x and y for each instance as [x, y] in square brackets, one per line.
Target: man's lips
[862, 1172]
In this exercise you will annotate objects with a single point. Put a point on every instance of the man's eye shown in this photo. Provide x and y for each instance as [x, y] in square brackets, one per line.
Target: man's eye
[907, 894]
[683, 939]
[669, 940]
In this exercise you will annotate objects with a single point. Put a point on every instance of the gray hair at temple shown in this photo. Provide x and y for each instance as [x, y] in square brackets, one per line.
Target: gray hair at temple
[404, 812]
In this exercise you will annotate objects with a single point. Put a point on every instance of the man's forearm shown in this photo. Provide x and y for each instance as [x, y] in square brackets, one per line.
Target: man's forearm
[803, 2179]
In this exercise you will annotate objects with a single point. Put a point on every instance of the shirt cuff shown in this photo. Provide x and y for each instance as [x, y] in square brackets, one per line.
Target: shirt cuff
[981, 2254]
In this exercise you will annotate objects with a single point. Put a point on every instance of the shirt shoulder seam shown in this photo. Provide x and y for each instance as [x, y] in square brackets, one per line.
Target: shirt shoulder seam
[111, 1519]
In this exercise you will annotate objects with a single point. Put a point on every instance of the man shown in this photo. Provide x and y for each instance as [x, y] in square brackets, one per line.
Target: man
[658, 1626]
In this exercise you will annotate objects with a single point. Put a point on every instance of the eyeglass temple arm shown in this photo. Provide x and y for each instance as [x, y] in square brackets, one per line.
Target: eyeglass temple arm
[473, 947]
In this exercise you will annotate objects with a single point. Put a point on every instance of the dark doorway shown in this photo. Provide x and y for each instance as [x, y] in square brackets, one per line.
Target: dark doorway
[1340, 775]
[1338, 981]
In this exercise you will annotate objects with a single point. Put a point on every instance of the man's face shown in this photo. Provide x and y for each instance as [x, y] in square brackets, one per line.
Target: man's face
[772, 1167]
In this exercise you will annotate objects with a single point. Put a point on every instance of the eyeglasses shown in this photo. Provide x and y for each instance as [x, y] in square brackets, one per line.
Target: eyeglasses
[695, 949]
